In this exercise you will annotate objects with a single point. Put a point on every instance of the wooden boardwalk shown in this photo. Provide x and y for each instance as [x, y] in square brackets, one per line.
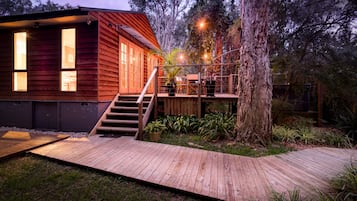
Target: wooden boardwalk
[16, 142]
[212, 174]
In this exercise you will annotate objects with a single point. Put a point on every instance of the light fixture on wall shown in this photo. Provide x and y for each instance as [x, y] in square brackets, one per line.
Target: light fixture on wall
[89, 21]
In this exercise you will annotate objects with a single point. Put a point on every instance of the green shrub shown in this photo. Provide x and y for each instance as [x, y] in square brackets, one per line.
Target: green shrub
[182, 124]
[280, 110]
[346, 184]
[292, 196]
[306, 136]
[169, 122]
[186, 124]
[155, 126]
[331, 137]
[283, 134]
[348, 123]
[217, 126]
[298, 122]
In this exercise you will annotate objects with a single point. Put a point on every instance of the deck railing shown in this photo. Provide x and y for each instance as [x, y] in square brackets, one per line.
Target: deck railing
[224, 74]
[192, 78]
[144, 117]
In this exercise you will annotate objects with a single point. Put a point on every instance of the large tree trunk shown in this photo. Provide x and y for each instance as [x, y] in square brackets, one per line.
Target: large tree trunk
[254, 122]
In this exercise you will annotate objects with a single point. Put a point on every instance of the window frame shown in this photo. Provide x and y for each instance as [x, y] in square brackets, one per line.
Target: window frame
[19, 69]
[65, 68]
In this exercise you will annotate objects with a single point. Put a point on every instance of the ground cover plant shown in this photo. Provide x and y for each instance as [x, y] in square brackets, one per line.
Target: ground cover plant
[300, 130]
[34, 178]
[215, 132]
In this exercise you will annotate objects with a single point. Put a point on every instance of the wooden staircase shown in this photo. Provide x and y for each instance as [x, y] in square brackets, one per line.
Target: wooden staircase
[121, 117]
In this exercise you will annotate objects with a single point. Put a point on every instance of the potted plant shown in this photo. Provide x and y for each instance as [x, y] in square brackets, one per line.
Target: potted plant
[154, 129]
[171, 73]
[171, 69]
[210, 85]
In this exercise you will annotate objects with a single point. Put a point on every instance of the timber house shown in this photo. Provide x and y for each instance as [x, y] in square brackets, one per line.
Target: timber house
[61, 70]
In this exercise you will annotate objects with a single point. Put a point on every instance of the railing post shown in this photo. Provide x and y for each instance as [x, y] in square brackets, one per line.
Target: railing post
[156, 85]
[140, 120]
[199, 92]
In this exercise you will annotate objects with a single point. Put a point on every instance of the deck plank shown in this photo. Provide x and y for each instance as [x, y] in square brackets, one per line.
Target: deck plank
[212, 174]
[17, 142]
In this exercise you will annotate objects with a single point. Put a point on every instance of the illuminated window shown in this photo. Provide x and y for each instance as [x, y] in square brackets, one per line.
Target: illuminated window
[123, 53]
[124, 67]
[68, 48]
[68, 73]
[20, 62]
[20, 81]
[69, 81]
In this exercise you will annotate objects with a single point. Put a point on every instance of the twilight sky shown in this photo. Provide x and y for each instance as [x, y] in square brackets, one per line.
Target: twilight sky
[108, 4]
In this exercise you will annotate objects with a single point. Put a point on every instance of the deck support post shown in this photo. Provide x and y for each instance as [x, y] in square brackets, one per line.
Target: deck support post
[199, 101]
[140, 121]
[156, 89]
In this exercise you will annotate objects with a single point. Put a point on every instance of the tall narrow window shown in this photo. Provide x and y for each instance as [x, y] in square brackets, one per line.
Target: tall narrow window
[68, 72]
[124, 67]
[20, 62]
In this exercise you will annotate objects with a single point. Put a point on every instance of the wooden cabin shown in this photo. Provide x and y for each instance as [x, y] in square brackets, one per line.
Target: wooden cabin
[60, 70]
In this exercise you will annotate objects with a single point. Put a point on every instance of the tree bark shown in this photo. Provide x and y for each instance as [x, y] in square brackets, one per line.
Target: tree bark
[254, 121]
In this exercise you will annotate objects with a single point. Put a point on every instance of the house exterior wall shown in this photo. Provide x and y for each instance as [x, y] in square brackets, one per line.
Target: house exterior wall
[44, 64]
[108, 48]
[44, 105]
[51, 115]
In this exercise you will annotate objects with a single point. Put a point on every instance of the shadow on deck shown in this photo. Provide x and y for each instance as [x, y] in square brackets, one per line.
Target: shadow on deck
[207, 173]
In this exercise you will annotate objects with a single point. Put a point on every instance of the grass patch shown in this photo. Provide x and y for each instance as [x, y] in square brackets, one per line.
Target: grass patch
[195, 141]
[33, 178]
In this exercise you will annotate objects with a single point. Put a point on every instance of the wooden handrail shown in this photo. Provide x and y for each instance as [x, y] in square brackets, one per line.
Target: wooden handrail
[143, 119]
[146, 87]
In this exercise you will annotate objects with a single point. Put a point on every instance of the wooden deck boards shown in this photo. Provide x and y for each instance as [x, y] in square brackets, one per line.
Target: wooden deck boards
[16, 142]
[212, 174]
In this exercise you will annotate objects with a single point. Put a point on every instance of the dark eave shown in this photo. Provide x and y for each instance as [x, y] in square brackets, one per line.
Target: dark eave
[43, 15]
[73, 16]
[44, 18]
[131, 31]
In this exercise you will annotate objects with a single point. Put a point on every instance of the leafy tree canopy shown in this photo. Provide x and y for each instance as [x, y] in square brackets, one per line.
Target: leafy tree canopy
[207, 21]
[165, 18]
[17, 7]
[315, 40]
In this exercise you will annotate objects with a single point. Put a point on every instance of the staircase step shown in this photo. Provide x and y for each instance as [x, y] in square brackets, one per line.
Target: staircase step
[122, 114]
[123, 117]
[124, 108]
[133, 98]
[120, 121]
[124, 131]
[130, 103]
